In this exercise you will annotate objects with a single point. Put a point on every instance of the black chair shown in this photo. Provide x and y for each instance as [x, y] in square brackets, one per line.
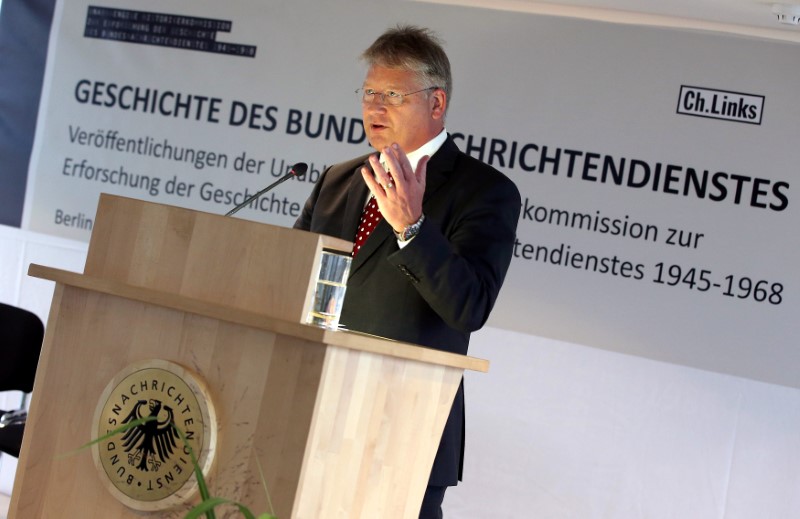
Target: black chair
[21, 335]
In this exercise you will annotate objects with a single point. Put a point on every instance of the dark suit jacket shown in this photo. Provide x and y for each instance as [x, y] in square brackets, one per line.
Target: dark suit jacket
[443, 284]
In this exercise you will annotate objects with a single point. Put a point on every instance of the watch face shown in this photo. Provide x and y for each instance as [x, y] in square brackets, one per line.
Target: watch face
[413, 229]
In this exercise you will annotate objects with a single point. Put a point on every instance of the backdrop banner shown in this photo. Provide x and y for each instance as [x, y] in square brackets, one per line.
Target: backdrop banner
[658, 214]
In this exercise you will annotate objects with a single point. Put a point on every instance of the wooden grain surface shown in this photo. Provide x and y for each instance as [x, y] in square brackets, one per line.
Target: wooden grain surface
[345, 339]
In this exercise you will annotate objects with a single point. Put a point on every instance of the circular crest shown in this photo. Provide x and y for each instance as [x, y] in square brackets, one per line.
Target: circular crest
[150, 418]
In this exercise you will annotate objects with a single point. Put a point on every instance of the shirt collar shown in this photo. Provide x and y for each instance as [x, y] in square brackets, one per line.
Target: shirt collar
[429, 148]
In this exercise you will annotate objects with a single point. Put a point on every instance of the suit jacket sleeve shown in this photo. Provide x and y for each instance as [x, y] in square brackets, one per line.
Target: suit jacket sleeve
[459, 274]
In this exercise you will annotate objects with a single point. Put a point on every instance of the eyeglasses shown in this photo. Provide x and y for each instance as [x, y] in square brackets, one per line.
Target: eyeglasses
[391, 98]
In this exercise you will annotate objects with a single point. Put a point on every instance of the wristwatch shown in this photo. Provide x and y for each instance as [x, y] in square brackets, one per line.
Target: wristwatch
[410, 230]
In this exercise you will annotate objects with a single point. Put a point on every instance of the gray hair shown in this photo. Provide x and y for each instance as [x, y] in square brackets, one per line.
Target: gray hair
[415, 49]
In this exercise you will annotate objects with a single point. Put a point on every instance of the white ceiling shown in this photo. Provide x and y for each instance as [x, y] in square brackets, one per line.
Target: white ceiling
[746, 17]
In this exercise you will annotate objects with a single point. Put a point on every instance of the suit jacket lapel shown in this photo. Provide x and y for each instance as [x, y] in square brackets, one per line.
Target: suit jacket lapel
[440, 166]
[356, 197]
[381, 232]
[438, 171]
[356, 200]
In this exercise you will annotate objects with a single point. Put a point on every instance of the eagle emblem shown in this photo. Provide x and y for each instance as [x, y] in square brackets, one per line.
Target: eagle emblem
[151, 443]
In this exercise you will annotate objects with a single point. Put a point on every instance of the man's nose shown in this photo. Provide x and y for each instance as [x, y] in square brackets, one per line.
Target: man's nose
[374, 106]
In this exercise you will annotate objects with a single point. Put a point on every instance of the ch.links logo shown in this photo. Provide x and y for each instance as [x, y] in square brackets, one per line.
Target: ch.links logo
[148, 466]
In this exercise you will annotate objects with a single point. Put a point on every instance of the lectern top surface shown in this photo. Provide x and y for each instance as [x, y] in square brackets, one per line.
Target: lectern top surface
[345, 339]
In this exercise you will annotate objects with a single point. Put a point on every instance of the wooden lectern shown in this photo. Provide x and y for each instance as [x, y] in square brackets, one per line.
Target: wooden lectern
[343, 425]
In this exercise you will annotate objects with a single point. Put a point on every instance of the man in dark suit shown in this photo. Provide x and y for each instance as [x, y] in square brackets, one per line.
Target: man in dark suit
[433, 228]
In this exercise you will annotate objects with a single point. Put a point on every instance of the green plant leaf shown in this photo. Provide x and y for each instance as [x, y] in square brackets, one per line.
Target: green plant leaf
[121, 429]
[205, 495]
[211, 503]
[271, 515]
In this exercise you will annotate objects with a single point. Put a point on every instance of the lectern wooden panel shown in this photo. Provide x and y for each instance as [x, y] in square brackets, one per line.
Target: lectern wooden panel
[246, 265]
[342, 424]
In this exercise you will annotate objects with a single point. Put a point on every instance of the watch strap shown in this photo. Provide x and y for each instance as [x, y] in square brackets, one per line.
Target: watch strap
[410, 230]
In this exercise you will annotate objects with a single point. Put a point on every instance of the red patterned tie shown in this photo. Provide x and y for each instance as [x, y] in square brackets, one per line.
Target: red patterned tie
[369, 220]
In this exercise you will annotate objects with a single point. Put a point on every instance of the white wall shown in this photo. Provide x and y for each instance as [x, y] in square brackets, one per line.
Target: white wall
[558, 430]
[18, 249]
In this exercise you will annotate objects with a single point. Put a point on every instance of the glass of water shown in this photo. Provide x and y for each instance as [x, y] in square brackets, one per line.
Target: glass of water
[326, 309]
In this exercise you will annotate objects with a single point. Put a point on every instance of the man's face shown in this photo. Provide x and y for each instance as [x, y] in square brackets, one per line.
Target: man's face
[419, 119]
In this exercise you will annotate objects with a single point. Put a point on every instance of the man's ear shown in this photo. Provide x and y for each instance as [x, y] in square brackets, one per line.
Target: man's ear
[438, 104]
